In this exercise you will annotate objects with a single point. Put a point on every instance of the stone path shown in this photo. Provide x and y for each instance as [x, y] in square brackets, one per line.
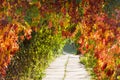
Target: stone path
[66, 67]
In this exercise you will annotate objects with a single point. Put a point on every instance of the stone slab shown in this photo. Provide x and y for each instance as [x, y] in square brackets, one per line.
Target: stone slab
[73, 71]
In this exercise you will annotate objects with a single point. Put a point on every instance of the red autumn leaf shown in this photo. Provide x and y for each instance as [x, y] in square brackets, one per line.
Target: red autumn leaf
[104, 66]
[50, 24]
[110, 72]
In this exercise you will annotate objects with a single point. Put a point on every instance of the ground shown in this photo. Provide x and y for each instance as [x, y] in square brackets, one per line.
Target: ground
[66, 67]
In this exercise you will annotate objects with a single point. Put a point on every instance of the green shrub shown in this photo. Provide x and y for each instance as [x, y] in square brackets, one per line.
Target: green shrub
[35, 55]
[90, 62]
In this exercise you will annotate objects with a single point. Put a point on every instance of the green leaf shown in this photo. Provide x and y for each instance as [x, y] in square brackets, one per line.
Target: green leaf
[28, 19]
[32, 12]
[19, 10]
[34, 1]
[9, 18]
[78, 1]
[35, 23]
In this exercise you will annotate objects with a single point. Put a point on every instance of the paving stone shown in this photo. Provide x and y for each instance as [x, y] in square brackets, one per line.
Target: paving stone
[73, 71]
[76, 73]
[52, 79]
[55, 73]
[76, 79]
[54, 70]
[54, 76]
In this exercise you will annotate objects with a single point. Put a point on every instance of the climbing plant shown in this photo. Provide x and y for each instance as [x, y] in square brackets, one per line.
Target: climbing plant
[93, 24]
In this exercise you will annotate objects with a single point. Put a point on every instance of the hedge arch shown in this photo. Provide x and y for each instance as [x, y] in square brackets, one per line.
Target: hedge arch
[93, 24]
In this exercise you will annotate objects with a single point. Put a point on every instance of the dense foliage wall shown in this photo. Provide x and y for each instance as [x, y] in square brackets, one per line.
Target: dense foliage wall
[35, 55]
[36, 39]
[92, 24]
